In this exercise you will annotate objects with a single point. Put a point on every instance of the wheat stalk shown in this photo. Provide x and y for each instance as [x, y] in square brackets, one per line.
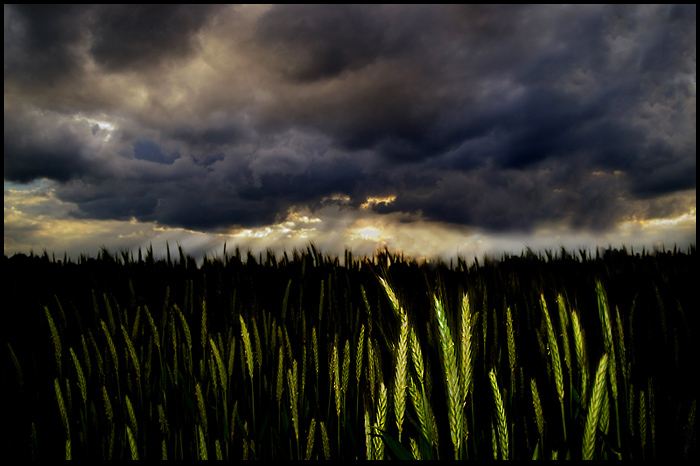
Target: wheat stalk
[310, 439]
[359, 355]
[380, 421]
[538, 409]
[248, 347]
[593, 416]
[368, 436]
[258, 346]
[219, 364]
[112, 348]
[500, 415]
[564, 319]
[131, 414]
[314, 344]
[188, 339]
[449, 362]
[467, 356]
[108, 404]
[292, 383]
[346, 369]
[202, 444]
[400, 376]
[231, 356]
[82, 385]
[554, 351]
[201, 407]
[98, 356]
[132, 444]
[371, 368]
[643, 422]
[511, 341]
[55, 338]
[162, 420]
[217, 446]
[336, 376]
[132, 353]
[326, 443]
[86, 355]
[204, 332]
[62, 407]
[581, 357]
[556, 361]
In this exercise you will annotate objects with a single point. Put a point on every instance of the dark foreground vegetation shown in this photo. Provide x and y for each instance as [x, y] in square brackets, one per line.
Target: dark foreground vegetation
[556, 355]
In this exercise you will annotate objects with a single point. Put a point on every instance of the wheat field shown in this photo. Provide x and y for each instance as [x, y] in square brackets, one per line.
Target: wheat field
[308, 356]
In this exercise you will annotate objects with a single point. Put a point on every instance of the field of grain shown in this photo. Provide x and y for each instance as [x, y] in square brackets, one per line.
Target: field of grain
[307, 356]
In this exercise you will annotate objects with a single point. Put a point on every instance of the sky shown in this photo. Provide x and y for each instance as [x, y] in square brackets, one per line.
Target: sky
[436, 131]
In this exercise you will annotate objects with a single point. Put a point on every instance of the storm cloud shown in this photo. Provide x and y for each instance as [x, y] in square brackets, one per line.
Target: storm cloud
[504, 118]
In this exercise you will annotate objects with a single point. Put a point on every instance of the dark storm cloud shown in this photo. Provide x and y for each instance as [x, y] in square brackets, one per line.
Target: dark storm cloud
[501, 117]
[316, 43]
[130, 36]
[47, 43]
[41, 144]
[41, 42]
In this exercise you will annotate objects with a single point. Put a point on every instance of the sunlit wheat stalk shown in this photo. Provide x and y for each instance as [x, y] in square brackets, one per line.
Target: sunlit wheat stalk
[132, 353]
[449, 361]
[202, 444]
[336, 377]
[131, 415]
[112, 348]
[217, 447]
[511, 346]
[132, 444]
[581, 357]
[62, 407]
[369, 444]
[468, 323]
[500, 415]
[359, 354]
[326, 443]
[310, 439]
[201, 407]
[82, 384]
[292, 384]
[593, 416]
[346, 370]
[380, 421]
[604, 310]
[538, 409]
[556, 361]
[400, 375]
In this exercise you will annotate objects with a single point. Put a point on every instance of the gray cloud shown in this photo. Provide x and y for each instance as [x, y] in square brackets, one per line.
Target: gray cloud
[500, 117]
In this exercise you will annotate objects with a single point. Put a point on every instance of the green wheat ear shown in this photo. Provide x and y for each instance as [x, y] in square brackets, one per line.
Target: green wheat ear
[500, 416]
[449, 361]
[593, 416]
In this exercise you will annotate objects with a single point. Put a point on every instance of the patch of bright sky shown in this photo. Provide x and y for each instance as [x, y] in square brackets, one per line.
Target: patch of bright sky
[36, 220]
